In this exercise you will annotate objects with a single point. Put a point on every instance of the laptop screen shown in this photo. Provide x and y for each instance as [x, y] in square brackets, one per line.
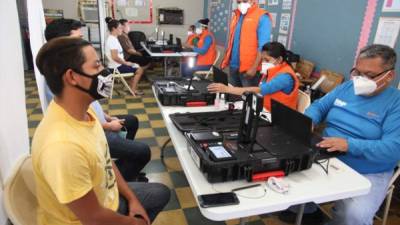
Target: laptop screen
[220, 76]
[291, 121]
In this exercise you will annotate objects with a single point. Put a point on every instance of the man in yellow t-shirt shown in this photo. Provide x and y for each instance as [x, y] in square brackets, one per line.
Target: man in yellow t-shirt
[77, 182]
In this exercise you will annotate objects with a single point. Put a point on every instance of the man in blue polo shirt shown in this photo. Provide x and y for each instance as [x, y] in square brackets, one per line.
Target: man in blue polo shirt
[363, 120]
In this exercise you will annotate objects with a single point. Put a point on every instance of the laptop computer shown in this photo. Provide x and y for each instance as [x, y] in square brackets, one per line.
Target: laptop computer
[289, 131]
[180, 47]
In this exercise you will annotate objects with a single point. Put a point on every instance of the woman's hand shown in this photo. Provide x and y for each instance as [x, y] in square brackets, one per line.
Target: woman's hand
[334, 144]
[217, 88]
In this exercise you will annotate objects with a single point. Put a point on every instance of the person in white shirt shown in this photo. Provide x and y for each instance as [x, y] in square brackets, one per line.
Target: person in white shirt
[115, 55]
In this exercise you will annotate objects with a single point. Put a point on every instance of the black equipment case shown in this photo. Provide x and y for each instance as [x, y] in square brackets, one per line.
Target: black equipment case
[255, 147]
[175, 92]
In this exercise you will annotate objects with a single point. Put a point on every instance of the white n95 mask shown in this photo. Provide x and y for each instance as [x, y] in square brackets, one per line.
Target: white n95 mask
[190, 33]
[199, 30]
[243, 7]
[265, 66]
[363, 85]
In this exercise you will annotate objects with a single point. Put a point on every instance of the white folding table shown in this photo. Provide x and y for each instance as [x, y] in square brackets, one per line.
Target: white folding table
[312, 185]
[166, 55]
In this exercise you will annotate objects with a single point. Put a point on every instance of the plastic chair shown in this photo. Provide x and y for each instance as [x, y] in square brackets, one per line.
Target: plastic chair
[121, 77]
[389, 195]
[208, 72]
[20, 194]
[303, 101]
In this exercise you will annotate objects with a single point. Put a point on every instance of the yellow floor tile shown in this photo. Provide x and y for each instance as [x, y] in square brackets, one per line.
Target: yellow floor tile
[171, 217]
[157, 123]
[135, 105]
[35, 117]
[148, 100]
[114, 112]
[185, 197]
[153, 110]
[155, 153]
[31, 131]
[32, 100]
[162, 140]
[116, 101]
[142, 117]
[172, 164]
[163, 178]
[145, 133]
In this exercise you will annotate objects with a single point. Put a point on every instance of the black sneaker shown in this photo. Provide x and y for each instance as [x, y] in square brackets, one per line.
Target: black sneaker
[142, 178]
[314, 218]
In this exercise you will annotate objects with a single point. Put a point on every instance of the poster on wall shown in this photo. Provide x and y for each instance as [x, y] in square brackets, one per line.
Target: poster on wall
[391, 6]
[284, 23]
[287, 4]
[273, 2]
[282, 39]
[388, 31]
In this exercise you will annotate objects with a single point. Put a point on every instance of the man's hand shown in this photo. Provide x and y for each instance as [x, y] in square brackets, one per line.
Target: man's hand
[251, 72]
[115, 125]
[187, 45]
[217, 88]
[136, 208]
[334, 144]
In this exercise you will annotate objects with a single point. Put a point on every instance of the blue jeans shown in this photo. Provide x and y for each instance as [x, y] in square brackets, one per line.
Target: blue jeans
[361, 210]
[238, 79]
[153, 196]
[126, 69]
[358, 210]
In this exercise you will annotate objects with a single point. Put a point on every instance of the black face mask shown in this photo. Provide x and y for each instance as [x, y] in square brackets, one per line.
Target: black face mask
[100, 86]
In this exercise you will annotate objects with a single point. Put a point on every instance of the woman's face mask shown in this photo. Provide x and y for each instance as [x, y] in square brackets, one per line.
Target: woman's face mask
[189, 33]
[265, 66]
[100, 86]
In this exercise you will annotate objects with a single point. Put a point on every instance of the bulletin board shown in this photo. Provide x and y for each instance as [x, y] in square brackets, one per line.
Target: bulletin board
[135, 11]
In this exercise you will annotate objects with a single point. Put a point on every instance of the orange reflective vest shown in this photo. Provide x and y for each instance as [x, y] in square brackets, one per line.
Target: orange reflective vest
[290, 99]
[211, 54]
[248, 38]
[190, 39]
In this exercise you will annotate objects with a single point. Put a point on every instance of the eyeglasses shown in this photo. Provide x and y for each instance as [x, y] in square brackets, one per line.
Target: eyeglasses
[355, 72]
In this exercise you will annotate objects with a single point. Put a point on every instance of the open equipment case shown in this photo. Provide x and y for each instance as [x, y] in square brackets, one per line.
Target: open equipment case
[252, 148]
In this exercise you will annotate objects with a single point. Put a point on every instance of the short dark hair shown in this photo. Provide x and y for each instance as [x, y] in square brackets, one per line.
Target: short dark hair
[123, 21]
[57, 56]
[192, 27]
[386, 53]
[61, 27]
[275, 49]
[112, 23]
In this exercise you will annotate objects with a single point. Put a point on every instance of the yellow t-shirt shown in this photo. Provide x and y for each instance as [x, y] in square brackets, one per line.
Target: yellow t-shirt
[70, 158]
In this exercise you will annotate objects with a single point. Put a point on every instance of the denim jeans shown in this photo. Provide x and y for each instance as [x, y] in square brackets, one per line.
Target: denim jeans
[361, 210]
[132, 156]
[153, 196]
[238, 79]
[358, 210]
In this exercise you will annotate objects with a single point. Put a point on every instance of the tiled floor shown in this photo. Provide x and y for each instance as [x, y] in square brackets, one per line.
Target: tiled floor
[182, 209]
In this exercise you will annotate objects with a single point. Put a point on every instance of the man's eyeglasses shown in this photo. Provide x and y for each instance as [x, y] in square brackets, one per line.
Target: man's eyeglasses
[355, 72]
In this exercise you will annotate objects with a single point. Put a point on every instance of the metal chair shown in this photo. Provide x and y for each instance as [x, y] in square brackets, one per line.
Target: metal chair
[121, 77]
[303, 101]
[389, 195]
[208, 72]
